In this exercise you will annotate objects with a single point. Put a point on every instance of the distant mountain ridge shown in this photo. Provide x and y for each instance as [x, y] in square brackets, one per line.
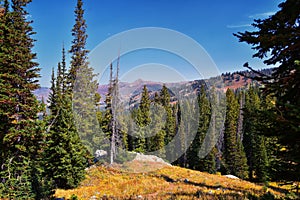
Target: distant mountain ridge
[133, 90]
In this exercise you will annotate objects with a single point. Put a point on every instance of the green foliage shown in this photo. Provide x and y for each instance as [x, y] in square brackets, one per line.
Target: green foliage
[65, 156]
[74, 197]
[143, 116]
[21, 134]
[276, 41]
[253, 141]
[141, 142]
[157, 141]
[185, 128]
[170, 123]
[78, 50]
[82, 85]
[194, 159]
[234, 155]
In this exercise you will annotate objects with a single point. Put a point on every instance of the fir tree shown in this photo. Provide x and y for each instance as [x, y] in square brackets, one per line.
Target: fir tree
[65, 154]
[78, 50]
[253, 141]
[209, 163]
[21, 135]
[234, 155]
[276, 42]
[183, 130]
[196, 159]
[82, 85]
[144, 109]
[142, 119]
[170, 124]
[157, 141]
[138, 133]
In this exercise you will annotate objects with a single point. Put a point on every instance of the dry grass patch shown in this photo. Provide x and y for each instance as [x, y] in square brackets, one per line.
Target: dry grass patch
[122, 182]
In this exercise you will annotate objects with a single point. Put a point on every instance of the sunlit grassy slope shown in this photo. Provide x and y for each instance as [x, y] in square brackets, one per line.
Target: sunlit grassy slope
[168, 182]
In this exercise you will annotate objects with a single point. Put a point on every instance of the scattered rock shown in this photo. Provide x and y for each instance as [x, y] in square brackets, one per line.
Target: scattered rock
[93, 198]
[149, 158]
[100, 153]
[231, 176]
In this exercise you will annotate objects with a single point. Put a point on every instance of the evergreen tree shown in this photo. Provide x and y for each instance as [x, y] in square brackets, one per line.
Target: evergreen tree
[276, 41]
[184, 130]
[157, 139]
[209, 163]
[106, 121]
[21, 135]
[138, 132]
[65, 154]
[234, 155]
[253, 141]
[170, 124]
[144, 109]
[82, 85]
[100, 139]
[195, 158]
[143, 119]
[78, 50]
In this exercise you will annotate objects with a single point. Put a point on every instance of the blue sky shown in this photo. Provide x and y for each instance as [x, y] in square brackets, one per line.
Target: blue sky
[209, 22]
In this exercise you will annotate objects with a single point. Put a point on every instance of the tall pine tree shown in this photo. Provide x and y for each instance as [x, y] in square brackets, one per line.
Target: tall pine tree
[234, 155]
[170, 124]
[195, 158]
[65, 154]
[142, 118]
[253, 141]
[78, 49]
[21, 139]
[276, 42]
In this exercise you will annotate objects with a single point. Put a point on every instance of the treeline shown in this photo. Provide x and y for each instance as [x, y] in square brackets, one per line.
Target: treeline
[158, 127]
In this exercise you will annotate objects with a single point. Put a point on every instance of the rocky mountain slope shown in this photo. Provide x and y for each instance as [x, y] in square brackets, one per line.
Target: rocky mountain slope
[131, 91]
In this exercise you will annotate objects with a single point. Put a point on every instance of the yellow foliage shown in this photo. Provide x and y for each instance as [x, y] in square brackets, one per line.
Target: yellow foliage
[168, 182]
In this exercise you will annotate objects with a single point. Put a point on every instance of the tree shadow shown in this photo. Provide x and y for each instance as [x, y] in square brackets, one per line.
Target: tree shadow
[227, 191]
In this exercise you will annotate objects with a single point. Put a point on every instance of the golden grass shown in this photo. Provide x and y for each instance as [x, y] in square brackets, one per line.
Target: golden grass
[119, 182]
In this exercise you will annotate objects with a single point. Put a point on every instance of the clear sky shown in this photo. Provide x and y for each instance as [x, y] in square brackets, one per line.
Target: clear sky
[209, 22]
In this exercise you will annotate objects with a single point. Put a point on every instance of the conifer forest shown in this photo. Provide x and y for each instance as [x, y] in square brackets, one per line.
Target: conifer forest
[243, 124]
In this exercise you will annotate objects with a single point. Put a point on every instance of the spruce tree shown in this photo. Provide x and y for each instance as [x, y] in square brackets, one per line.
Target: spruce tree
[144, 109]
[183, 130]
[82, 85]
[21, 135]
[196, 161]
[234, 155]
[65, 154]
[170, 124]
[209, 163]
[142, 119]
[157, 141]
[100, 139]
[276, 42]
[78, 49]
[253, 141]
